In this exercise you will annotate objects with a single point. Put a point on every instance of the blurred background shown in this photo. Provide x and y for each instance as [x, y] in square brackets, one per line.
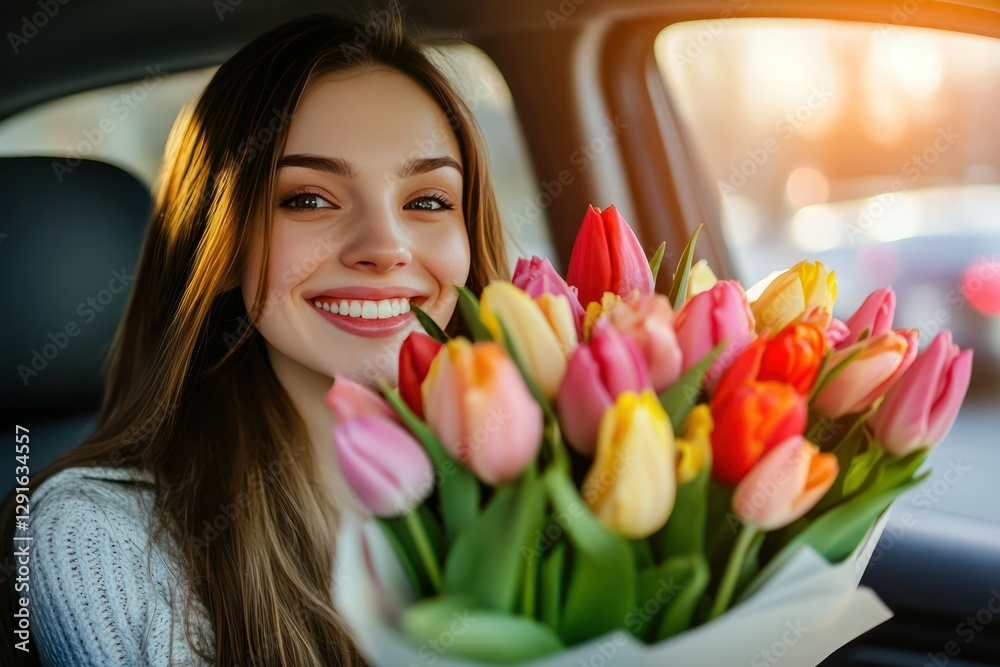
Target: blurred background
[873, 148]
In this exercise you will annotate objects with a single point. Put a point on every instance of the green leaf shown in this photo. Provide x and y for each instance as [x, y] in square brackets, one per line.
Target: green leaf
[680, 397]
[402, 537]
[602, 577]
[684, 532]
[402, 544]
[846, 451]
[469, 305]
[656, 260]
[487, 560]
[457, 486]
[429, 325]
[861, 468]
[552, 589]
[835, 534]
[678, 289]
[666, 597]
[476, 633]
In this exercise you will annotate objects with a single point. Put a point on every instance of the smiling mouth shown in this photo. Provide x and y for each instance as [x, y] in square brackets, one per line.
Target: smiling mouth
[363, 308]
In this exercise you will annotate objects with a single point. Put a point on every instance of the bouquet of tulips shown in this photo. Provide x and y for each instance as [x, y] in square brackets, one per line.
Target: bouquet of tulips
[601, 472]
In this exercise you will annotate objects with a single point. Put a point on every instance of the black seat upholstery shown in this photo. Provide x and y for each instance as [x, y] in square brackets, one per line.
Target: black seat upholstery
[70, 236]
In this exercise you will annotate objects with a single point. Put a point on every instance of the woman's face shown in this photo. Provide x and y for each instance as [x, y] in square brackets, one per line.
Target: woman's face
[367, 220]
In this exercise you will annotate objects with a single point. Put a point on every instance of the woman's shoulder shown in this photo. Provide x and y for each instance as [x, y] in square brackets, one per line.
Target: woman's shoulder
[95, 568]
[92, 498]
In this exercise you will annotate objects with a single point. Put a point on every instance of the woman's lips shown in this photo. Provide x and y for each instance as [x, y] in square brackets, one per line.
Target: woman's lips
[369, 328]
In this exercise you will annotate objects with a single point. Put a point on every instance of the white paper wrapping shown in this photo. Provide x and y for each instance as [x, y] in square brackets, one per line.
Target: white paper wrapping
[805, 612]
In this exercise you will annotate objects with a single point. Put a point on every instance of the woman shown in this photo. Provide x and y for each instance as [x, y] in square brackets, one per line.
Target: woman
[328, 178]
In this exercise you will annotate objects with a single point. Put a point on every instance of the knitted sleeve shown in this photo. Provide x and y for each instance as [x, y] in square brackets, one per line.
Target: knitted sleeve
[100, 594]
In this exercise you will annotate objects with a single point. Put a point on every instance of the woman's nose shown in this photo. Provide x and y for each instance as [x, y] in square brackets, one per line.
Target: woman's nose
[379, 242]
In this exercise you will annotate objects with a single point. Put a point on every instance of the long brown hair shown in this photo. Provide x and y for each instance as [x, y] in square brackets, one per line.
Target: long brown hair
[190, 395]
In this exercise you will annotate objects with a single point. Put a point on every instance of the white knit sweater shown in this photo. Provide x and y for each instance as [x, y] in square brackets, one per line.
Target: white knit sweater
[100, 594]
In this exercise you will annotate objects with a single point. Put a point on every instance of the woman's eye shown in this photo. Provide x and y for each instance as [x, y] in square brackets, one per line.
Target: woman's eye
[430, 203]
[305, 201]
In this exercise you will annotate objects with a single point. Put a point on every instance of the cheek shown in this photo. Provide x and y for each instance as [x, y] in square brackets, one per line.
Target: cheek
[448, 257]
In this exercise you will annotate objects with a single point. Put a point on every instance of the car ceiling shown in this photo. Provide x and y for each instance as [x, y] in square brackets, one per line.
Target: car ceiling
[86, 44]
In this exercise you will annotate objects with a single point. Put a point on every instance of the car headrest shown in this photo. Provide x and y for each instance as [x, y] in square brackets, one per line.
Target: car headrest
[70, 236]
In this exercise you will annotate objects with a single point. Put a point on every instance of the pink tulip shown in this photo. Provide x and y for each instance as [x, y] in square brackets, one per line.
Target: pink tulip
[478, 404]
[875, 315]
[611, 363]
[920, 409]
[836, 333]
[388, 470]
[607, 257]
[721, 312]
[649, 320]
[785, 483]
[882, 360]
[348, 399]
[537, 277]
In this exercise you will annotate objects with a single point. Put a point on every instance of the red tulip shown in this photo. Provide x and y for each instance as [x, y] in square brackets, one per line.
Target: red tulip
[920, 409]
[415, 357]
[607, 257]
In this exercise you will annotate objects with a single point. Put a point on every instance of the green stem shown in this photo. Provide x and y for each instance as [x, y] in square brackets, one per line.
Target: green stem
[557, 446]
[530, 580]
[733, 567]
[424, 549]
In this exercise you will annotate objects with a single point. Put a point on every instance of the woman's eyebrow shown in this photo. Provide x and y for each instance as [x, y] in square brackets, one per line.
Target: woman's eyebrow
[341, 167]
[333, 165]
[415, 166]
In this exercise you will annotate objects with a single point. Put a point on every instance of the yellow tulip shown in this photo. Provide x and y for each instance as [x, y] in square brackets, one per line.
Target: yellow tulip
[805, 285]
[559, 315]
[531, 335]
[631, 486]
[694, 447]
[596, 310]
[701, 278]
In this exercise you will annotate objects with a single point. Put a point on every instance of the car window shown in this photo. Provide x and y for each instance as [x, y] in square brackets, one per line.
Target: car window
[872, 148]
[127, 125]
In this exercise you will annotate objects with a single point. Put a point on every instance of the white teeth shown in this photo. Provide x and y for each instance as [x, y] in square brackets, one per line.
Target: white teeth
[368, 310]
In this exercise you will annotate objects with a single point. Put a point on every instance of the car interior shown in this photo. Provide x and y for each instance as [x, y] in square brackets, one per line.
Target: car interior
[861, 133]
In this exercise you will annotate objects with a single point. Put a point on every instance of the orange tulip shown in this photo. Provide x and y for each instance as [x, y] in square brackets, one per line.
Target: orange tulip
[794, 355]
[752, 418]
[479, 405]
